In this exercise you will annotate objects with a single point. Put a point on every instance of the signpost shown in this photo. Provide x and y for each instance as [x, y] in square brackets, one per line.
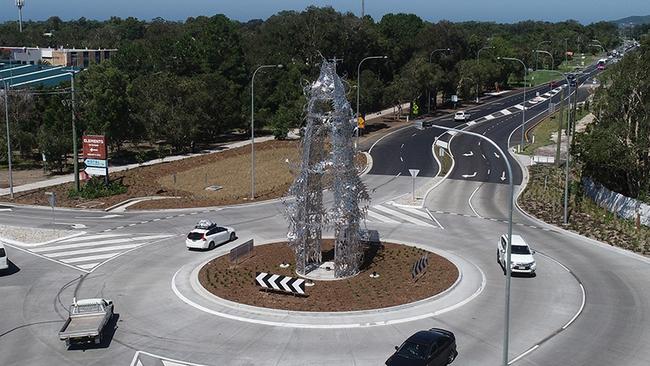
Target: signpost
[95, 156]
[414, 173]
[51, 198]
[245, 249]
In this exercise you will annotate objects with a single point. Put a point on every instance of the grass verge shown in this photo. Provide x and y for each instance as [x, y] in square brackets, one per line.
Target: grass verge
[544, 198]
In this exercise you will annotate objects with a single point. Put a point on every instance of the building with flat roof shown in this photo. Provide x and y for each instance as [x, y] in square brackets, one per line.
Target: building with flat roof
[70, 57]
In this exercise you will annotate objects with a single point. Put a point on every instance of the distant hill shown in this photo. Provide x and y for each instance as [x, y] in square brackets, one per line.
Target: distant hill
[635, 20]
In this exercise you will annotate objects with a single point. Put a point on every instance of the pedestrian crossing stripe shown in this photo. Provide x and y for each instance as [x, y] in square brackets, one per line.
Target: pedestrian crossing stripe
[89, 251]
[392, 214]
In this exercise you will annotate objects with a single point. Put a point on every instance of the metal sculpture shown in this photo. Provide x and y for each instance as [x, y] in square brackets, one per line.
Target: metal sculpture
[328, 116]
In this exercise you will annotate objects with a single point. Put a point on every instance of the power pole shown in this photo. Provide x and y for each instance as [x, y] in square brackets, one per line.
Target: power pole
[75, 149]
[363, 8]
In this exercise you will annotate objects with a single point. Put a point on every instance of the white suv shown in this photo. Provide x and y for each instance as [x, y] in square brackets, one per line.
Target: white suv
[521, 256]
[207, 235]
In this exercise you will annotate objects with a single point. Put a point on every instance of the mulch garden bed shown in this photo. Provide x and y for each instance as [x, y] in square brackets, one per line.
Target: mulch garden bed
[394, 286]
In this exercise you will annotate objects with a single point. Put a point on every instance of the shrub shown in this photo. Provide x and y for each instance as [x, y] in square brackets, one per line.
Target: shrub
[96, 188]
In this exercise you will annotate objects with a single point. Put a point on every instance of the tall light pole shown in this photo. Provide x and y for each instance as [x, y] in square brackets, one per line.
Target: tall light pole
[511, 199]
[537, 52]
[597, 45]
[75, 149]
[253, 125]
[20, 4]
[523, 112]
[538, 45]
[11, 178]
[429, 91]
[566, 52]
[478, 53]
[568, 148]
[359, 88]
[363, 8]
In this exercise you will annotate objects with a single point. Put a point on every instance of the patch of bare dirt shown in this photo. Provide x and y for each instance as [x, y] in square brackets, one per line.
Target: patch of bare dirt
[393, 262]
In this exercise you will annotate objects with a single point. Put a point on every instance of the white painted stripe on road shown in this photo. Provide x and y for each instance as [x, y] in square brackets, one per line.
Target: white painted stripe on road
[97, 243]
[89, 258]
[402, 216]
[115, 248]
[382, 218]
[90, 237]
[523, 354]
[520, 107]
[171, 363]
[582, 306]
[442, 144]
[434, 219]
[505, 112]
[489, 117]
[88, 266]
[416, 211]
[469, 201]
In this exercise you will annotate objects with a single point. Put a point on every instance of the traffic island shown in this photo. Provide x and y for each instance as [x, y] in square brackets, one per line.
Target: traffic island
[385, 279]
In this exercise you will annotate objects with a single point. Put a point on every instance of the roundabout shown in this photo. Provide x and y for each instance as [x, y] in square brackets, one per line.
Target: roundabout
[462, 280]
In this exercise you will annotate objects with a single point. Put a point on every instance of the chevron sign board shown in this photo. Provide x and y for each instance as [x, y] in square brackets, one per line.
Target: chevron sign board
[420, 266]
[275, 282]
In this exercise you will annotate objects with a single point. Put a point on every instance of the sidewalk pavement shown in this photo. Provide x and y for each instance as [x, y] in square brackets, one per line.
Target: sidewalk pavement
[70, 177]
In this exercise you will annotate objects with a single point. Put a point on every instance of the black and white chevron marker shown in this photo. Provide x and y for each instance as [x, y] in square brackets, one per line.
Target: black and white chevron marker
[420, 266]
[280, 283]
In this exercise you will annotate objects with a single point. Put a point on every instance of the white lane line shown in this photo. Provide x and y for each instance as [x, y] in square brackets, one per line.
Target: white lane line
[582, 306]
[523, 354]
[401, 159]
[520, 107]
[90, 237]
[402, 216]
[497, 156]
[88, 266]
[89, 258]
[94, 250]
[489, 117]
[413, 134]
[469, 201]
[505, 112]
[382, 218]
[401, 147]
[156, 219]
[489, 170]
[469, 175]
[483, 155]
[434, 218]
[132, 224]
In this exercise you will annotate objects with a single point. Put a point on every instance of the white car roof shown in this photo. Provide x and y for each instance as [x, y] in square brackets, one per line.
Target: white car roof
[518, 240]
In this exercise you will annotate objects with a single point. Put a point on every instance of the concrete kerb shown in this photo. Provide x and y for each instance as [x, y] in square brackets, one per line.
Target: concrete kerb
[332, 320]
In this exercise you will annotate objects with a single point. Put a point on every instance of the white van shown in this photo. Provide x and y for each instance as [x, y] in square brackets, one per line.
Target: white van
[4, 264]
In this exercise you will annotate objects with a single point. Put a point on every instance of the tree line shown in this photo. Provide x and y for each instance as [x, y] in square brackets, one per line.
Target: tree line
[615, 149]
[188, 83]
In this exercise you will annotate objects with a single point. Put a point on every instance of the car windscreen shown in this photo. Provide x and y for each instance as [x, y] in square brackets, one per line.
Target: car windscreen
[2, 252]
[414, 351]
[195, 236]
[520, 249]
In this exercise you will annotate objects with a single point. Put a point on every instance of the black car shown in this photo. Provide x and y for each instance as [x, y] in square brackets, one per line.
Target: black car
[433, 347]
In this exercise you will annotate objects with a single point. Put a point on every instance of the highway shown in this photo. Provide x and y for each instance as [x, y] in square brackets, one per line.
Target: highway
[588, 305]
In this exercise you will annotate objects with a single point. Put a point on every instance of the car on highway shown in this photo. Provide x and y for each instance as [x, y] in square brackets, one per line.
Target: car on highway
[433, 347]
[521, 255]
[4, 262]
[461, 116]
[207, 235]
[554, 84]
[572, 79]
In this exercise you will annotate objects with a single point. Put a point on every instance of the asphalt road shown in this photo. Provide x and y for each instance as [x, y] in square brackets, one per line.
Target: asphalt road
[141, 252]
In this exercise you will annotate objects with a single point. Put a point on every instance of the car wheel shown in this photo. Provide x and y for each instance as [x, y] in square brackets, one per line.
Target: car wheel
[233, 236]
[211, 245]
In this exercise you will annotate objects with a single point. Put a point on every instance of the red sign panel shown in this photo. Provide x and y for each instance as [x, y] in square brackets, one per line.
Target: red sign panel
[94, 147]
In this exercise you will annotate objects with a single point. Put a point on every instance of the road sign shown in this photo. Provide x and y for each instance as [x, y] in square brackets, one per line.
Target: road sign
[419, 266]
[51, 198]
[361, 123]
[280, 283]
[94, 147]
[91, 170]
[414, 172]
[454, 98]
[241, 250]
[96, 163]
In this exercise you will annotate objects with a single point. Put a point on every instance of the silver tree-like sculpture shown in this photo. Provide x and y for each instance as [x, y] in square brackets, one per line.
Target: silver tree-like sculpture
[328, 115]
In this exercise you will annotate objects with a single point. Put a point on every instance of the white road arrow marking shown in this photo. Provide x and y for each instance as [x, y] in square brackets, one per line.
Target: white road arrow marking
[471, 153]
[469, 176]
[503, 176]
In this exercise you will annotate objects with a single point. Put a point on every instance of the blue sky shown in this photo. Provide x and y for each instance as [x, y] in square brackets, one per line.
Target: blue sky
[585, 11]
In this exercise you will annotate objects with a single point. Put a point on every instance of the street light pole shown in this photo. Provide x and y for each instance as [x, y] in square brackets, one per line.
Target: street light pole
[506, 329]
[548, 53]
[359, 90]
[75, 149]
[478, 53]
[429, 91]
[11, 178]
[536, 58]
[253, 125]
[523, 112]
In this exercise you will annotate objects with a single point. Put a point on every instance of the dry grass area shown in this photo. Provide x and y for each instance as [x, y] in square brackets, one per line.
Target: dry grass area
[393, 262]
[229, 169]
